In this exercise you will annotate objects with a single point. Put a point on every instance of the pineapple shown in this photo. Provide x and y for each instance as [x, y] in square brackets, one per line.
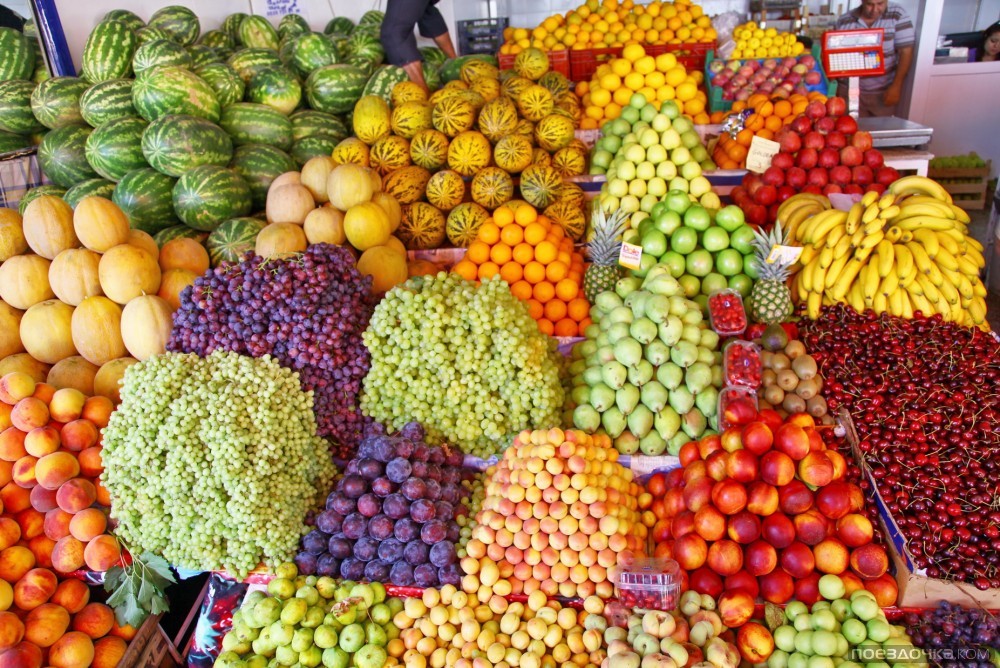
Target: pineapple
[770, 299]
[605, 246]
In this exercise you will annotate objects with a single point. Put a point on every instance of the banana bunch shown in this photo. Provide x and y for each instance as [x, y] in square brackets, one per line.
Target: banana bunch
[796, 209]
[906, 251]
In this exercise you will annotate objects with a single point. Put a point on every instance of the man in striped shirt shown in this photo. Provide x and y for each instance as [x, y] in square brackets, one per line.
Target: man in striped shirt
[880, 95]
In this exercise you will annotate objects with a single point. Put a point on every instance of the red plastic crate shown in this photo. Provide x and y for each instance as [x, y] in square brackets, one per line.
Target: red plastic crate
[559, 61]
[583, 62]
[693, 56]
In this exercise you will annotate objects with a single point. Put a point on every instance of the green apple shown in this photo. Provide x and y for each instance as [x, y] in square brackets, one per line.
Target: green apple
[683, 124]
[697, 217]
[649, 137]
[728, 261]
[637, 218]
[637, 189]
[823, 619]
[666, 170]
[684, 240]
[670, 139]
[730, 218]
[750, 266]
[865, 608]
[690, 285]
[635, 153]
[701, 188]
[680, 155]
[741, 239]
[648, 113]
[670, 109]
[824, 643]
[335, 657]
[689, 170]
[699, 153]
[657, 187]
[654, 242]
[878, 630]
[798, 660]
[803, 642]
[352, 638]
[784, 638]
[656, 154]
[630, 114]
[660, 122]
[712, 282]
[802, 622]
[631, 237]
[794, 608]
[778, 659]
[629, 203]
[831, 587]
[679, 183]
[665, 220]
[609, 202]
[370, 656]
[674, 262]
[645, 170]
[690, 139]
[699, 262]
[841, 609]
[625, 171]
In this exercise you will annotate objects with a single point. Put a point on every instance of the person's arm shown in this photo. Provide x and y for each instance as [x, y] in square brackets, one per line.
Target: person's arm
[892, 93]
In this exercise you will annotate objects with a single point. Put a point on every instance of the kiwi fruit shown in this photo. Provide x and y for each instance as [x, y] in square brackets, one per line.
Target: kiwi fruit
[768, 377]
[804, 367]
[795, 348]
[809, 387]
[780, 361]
[793, 403]
[774, 395]
[816, 406]
[787, 380]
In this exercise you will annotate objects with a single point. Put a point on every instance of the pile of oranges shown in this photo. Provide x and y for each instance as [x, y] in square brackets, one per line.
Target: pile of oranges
[767, 118]
[658, 78]
[539, 263]
[599, 24]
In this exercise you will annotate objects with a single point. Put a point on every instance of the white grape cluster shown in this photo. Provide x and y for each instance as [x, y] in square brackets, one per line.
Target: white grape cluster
[465, 360]
[472, 499]
[214, 462]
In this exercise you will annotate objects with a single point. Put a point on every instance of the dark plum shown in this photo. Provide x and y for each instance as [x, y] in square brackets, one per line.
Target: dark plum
[353, 486]
[450, 575]
[343, 505]
[421, 451]
[425, 575]
[396, 506]
[351, 468]
[373, 429]
[377, 571]
[369, 469]
[437, 456]
[434, 472]
[455, 458]
[407, 530]
[434, 531]
[314, 542]
[451, 493]
[454, 532]
[442, 554]
[382, 449]
[422, 511]
[390, 550]
[366, 548]
[328, 565]
[397, 470]
[412, 431]
[306, 563]
[451, 476]
[380, 527]
[383, 487]
[419, 470]
[433, 489]
[355, 526]
[416, 552]
[338, 546]
[401, 574]
[369, 505]
[352, 569]
[404, 447]
[444, 510]
[329, 521]
[413, 489]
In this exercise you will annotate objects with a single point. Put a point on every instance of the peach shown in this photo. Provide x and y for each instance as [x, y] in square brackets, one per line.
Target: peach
[29, 413]
[76, 494]
[690, 551]
[12, 444]
[67, 404]
[811, 526]
[885, 589]
[15, 561]
[72, 595]
[88, 524]
[6, 595]
[816, 469]
[73, 649]
[760, 558]
[709, 523]
[5, 415]
[15, 498]
[11, 630]
[755, 642]
[103, 496]
[108, 652]
[56, 524]
[42, 499]
[103, 552]
[42, 441]
[79, 435]
[869, 561]
[53, 470]
[35, 588]
[831, 556]
[23, 472]
[95, 620]
[736, 607]
[46, 624]
[777, 587]
[43, 392]
[41, 547]
[67, 555]
[762, 498]
[15, 386]
[91, 464]
[725, 557]
[855, 530]
[98, 410]
[32, 523]
[23, 655]
[744, 527]
[10, 532]
[6, 470]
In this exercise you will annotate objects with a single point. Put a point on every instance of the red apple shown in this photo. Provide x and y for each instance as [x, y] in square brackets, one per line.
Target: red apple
[786, 191]
[816, 109]
[836, 106]
[706, 581]
[725, 557]
[886, 176]
[847, 125]
[811, 526]
[797, 560]
[773, 176]
[855, 530]
[755, 215]
[735, 607]
[729, 496]
[851, 156]
[760, 558]
[781, 161]
[813, 140]
[840, 174]
[778, 530]
[796, 177]
[862, 175]
[828, 158]
[825, 125]
[754, 642]
[834, 500]
[743, 580]
[777, 587]
[807, 157]
[818, 177]
[836, 140]
[767, 195]
[743, 527]
[831, 188]
[794, 498]
[801, 125]
[873, 158]
[816, 469]
[762, 498]
[862, 140]
[853, 188]
[807, 589]
[878, 188]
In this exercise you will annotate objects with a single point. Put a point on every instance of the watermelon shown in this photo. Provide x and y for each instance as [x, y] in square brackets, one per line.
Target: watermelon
[107, 101]
[233, 239]
[433, 55]
[177, 232]
[382, 82]
[256, 32]
[312, 147]
[209, 195]
[277, 88]
[311, 123]
[228, 86]
[340, 44]
[292, 25]
[17, 57]
[175, 143]
[335, 89]
[174, 90]
[125, 16]
[372, 17]
[451, 70]
[362, 45]
[340, 25]
[231, 26]
[432, 76]
[248, 62]
[217, 39]
[13, 142]
[160, 53]
[90, 187]
[108, 52]
[56, 102]
[202, 55]
[147, 34]
[249, 123]
[115, 148]
[15, 108]
[312, 51]
[179, 22]
[285, 52]
[146, 197]
[260, 164]
[62, 155]
[47, 189]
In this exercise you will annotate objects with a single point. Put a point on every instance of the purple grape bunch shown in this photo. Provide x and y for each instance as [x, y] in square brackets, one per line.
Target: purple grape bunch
[955, 636]
[308, 311]
[391, 517]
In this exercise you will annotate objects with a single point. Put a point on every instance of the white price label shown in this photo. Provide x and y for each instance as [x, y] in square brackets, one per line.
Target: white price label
[788, 255]
[630, 256]
[645, 464]
[760, 154]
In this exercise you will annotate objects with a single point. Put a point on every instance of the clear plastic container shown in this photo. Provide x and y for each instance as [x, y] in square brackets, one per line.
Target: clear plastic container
[653, 584]
[726, 313]
[741, 364]
[744, 409]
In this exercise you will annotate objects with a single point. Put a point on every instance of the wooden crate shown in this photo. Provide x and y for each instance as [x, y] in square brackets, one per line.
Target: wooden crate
[977, 187]
[151, 648]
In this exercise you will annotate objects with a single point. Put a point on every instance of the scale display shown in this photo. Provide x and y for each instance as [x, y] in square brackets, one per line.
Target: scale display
[853, 53]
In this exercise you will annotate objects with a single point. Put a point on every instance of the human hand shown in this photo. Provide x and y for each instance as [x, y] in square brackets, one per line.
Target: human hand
[891, 96]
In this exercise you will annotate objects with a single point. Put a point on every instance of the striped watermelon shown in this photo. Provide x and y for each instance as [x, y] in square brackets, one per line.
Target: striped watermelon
[292, 25]
[15, 108]
[432, 76]
[47, 189]
[147, 34]
[107, 101]
[372, 17]
[257, 32]
[285, 52]
[228, 86]
[146, 197]
[363, 45]
[433, 55]
[202, 55]
[179, 22]
[125, 16]
[249, 123]
[115, 148]
[340, 44]
[233, 239]
[231, 26]
[311, 123]
[175, 143]
[312, 147]
[174, 90]
[108, 52]
[62, 155]
[277, 88]
[312, 51]
[56, 102]
[339, 24]
[13, 142]
[248, 62]
[99, 187]
[385, 77]
[217, 39]
[178, 232]
[260, 164]
[17, 57]
[209, 195]
[160, 53]
[335, 89]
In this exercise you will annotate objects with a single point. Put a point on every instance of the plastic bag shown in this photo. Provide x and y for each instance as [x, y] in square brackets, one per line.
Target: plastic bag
[224, 597]
[724, 25]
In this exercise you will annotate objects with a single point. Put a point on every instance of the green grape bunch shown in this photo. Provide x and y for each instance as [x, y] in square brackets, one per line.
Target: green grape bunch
[213, 462]
[467, 361]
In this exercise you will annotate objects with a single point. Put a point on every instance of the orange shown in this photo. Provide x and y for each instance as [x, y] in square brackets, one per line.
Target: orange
[555, 309]
[489, 233]
[503, 216]
[566, 289]
[545, 327]
[512, 235]
[765, 133]
[585, 323]
[744, 137]
[782, 108]
[546, 252]
[525, 215]
[523, 253]
[736, 152]
[534, 272]
[543, 291]
[566, 327]
[478, 252]
[575, 276]
[520, 289]
[511, 272]
[773, 123]
[500, 253]
[534, 233]
[765, 108]
[488, 270]
[466, 270]
[535, 309]
[556, 271]
[578, 309]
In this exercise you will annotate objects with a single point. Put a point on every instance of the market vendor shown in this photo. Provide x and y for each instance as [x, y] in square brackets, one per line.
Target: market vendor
[399, 41]
[880, 94]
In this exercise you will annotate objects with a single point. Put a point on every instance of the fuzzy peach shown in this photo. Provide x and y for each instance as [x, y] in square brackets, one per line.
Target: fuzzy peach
[76, 494]
[72, 595]
[67, 404]
[15, 561]
[42, 499]
[56, 525]
[42, 441]
[41, 547]
[95, 620]
[10, 532]
[15, 386]
[91, 464]
[46, 624]
[29, 413]
[79, 435]
[44, 392]
[67, 555]
[11, 630]
[98, 410]
[32, 523]
[73, 649]
[15, 498]
[12, 444]
[108, 652]
[88, 524]
[23, 472]
[35, 588]
[22, 655]
[103, 552]
[53, 470]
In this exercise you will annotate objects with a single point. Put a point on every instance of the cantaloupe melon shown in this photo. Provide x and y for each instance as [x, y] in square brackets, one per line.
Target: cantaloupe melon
[146, 324]
[97, 330]
[24, 281]
[12, 241]
[143, 240]
[184, 254]
[99, 224]
[391, 208]
[366, 225]
[289, 203]
[73, 275]
[173, 283]
[48, 226]
[348, 185]
[280, 239]
[325, 225]
[385, 265]
[10, 326]
[286, 179]
[46, 331]
[75, 372]
[107, 382]
[24, 363]
[315, 174]
[126, 272]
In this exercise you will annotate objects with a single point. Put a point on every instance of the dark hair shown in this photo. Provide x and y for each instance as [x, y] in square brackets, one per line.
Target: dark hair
[989, 32]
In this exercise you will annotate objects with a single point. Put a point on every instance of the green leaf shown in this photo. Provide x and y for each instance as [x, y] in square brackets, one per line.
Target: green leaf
[159, 566]
[113, 578]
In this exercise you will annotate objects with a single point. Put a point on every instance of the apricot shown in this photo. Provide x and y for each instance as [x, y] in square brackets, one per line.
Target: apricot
[42, 441]
[56, 525]
[103, 495]
[98, 410]
[6, 469]
[76, 494]
[15, 498]
[12, 444]
[67, 555]
[10, 532]
[29, 413]
[43, 392]
[15, 561]
[5, 410]
[35, 588]
[32, 523]
[108, 652]
[41, 547]
[72, 595]
[11, 630]
[102, 553]
[46, 624]
[15, 386]
[88, 524]
[23, 472]
[91, 464]
[23, 655]
[72, 650]
[125, 632]
[95, 620]
[55, 469]
[42, 500]
[79, 434]
[67, 404]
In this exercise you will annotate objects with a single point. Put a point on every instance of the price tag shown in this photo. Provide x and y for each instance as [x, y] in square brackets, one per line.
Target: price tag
[630, 256]
[644, 465]
[786, 254]
[760, 154]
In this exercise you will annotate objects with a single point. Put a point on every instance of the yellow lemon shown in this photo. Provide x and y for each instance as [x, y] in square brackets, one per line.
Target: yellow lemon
[666, 62]
[676, 75]
[645, 65]
[594, 112]
[647, 92]
[600, 97]
[611, 81]
[686, 91]
[655, 79]
[634, 81]
[684, 33]
[622, 96]
[633, 52]
[665, 93]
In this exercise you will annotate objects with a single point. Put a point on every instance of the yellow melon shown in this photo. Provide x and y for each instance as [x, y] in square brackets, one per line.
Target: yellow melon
[315, 174]
[391, 208]
[286, 178]
[73, 275]
[107, 382]
[143, 240]
[289, 203]
[99, 223]
[280, 239]
[126, 272]
[349, 184]
[367, 225]
[12, 241]
[75, 372]
[46, 331]
[97, 330]
[10, 325]
[173, 283]
[146, 324]
[325, 225]
[48, 226]
[24, 281]
[385, 265]
[396, 245]
[24, 363]
[184, 254]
